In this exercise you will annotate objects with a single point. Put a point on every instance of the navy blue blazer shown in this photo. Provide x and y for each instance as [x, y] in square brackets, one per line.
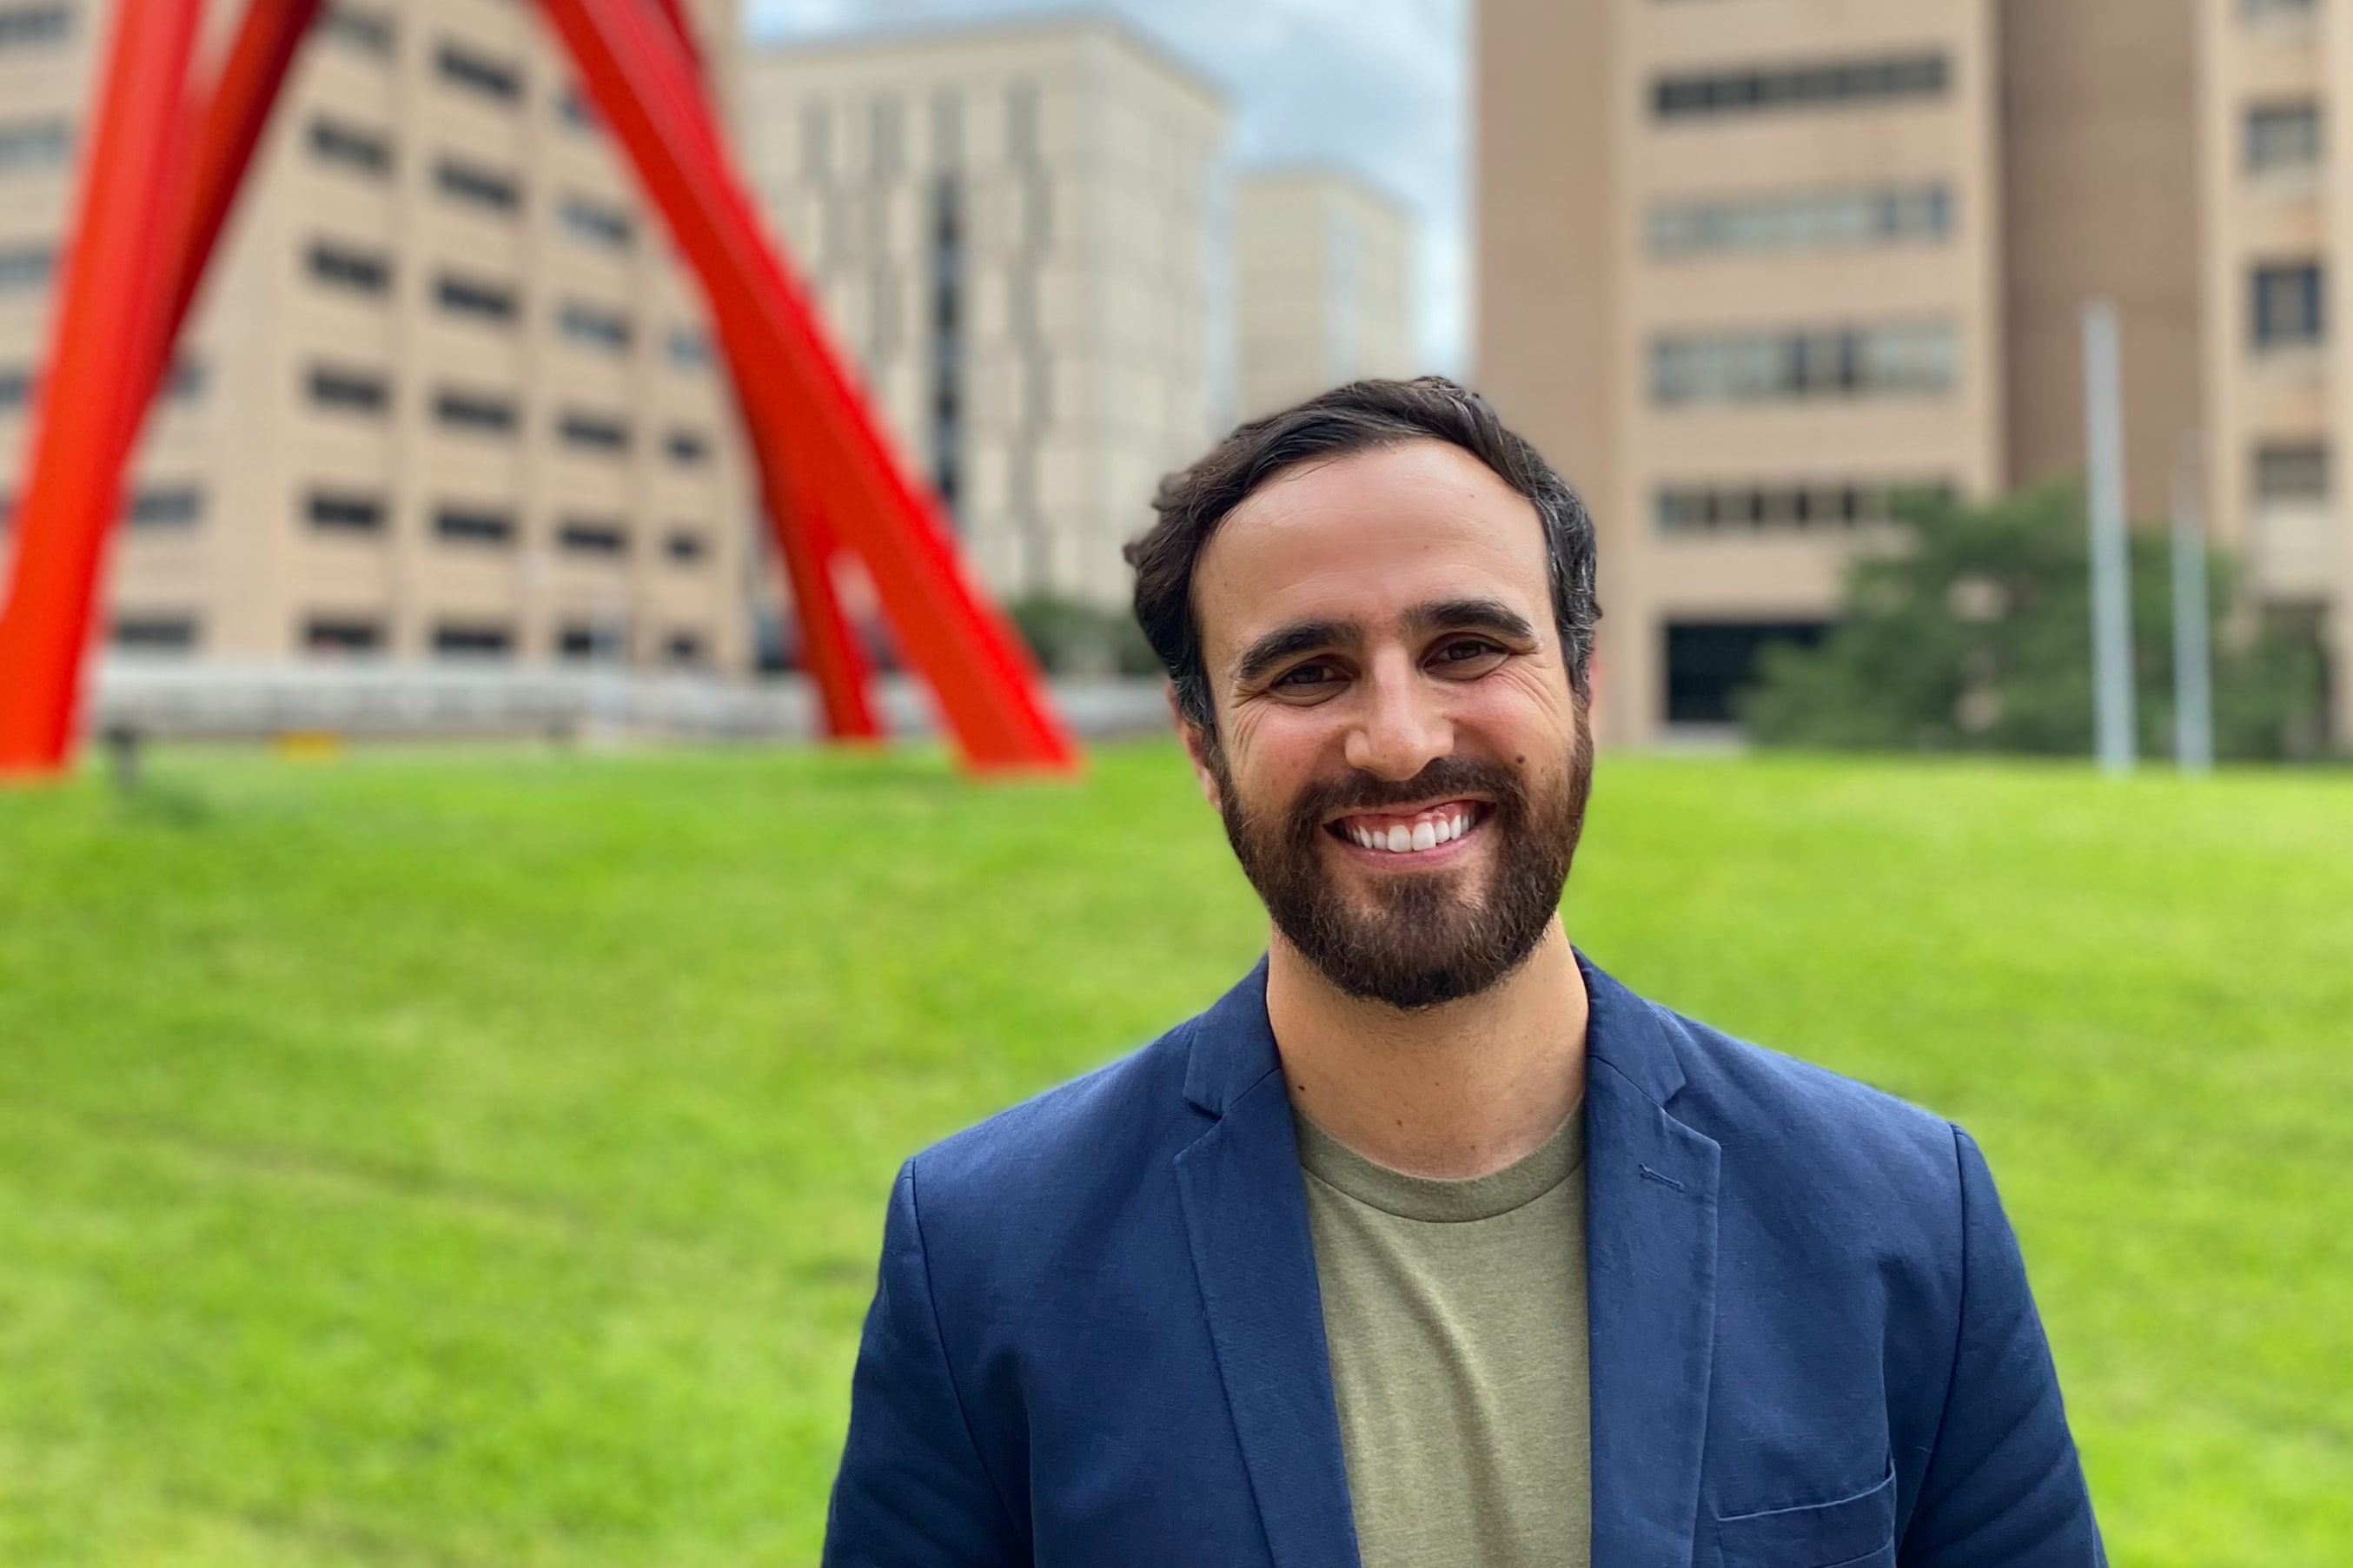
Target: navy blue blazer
[1098, 1342]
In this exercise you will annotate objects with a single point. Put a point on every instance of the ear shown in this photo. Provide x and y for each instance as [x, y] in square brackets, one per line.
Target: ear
[1196, 749]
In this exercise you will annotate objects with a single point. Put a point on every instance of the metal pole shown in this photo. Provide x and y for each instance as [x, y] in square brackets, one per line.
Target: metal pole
[2112, 672]
[2193, 669]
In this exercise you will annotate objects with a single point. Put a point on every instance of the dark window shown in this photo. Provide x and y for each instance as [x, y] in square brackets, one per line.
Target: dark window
[685, 546]
[597, 432]
[27, 266]
[607, 331]
[1709, 663]
[473, 525]
[361, 271]
[2287, 305]
[1702, 94]
[2292, 473]
[472, 640]
[340, 637]
[165, 507]
[500, 79]
[365, 151]
[471, 297]
[684, 648]
[596, 223]
[687, 447]
[582, 639]
[2283, 136]
[581, 536]
[572, 104]
[477, 186]
[343, 511]
[15, 386]
[688, 347]
[369, 32]
[355, 390]
[21, 24]
[481, 411]
[187, 380]
[153, 634]
[1891, 360]
[947, 281]
[35, 144]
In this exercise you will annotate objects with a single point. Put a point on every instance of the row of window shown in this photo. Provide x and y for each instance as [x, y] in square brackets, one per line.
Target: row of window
[364, 271]
[1802, 364]
[346, 635]
[184, 385]
[2282, 137]
[1803, 220]
[2287, 305]
[1875, 79]
[1778, 507]
[26, 267]
[370, 153]
[35, 144]
[21, 25]
[345, 390]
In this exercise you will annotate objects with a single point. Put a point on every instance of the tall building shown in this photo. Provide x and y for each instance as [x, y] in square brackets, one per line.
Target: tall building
[1745, 268]
[446, 393]
[1010, 229]
[1324, 291]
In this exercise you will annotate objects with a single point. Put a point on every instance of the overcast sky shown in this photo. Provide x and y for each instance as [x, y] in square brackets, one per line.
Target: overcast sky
[1378, 86]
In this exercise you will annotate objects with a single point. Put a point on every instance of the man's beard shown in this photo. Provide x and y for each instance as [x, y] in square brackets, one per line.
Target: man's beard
[1429, 937]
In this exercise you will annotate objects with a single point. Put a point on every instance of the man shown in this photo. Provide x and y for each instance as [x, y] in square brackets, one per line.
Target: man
[1430, 1244]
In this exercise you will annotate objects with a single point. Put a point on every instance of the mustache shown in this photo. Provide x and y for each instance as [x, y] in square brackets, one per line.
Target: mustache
[1442, 776]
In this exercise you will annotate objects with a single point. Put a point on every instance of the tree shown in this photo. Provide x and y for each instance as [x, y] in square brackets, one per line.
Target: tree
[1972, 633]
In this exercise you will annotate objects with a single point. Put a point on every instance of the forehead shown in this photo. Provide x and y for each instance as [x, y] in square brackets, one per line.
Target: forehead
[1366, 538]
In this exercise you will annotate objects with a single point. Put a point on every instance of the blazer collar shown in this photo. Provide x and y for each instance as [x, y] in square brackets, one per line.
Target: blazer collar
[1233, 1046]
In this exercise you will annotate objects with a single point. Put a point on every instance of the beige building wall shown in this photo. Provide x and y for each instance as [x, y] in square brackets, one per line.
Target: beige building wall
[1009, 231]
[1761, 317]
[1323, 285]
[2169, 155]
[448, 394]
[2279, 419]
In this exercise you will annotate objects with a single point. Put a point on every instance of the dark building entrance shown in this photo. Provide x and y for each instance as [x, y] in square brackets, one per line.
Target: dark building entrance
[1709, 661]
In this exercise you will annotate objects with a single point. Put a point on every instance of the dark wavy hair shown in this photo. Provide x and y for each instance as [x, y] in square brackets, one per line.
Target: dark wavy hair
[1359, 417]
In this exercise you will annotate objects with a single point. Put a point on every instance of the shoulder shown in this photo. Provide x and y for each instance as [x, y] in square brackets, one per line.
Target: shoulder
[1788, 1124]
[1070, 1148]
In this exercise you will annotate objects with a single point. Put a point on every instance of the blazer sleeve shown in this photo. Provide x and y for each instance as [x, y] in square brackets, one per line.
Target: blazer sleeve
[912, 1491]
[2003, 1489]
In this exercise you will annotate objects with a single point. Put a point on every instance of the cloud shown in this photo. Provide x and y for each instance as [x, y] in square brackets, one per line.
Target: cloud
[1377, 87]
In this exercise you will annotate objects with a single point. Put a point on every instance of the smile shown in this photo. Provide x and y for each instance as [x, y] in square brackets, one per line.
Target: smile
[1410, 833]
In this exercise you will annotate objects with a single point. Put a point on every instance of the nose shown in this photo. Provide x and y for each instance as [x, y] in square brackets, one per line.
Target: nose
[1402, 727]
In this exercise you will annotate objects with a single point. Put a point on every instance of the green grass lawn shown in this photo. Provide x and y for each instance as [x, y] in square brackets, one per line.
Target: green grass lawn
[476, 1159]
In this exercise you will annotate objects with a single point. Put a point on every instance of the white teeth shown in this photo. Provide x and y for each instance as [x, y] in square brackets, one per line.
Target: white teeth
[1425, 835]
[1400, 840]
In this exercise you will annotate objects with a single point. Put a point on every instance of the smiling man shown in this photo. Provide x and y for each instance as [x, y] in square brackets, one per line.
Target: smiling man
[1430, 1244]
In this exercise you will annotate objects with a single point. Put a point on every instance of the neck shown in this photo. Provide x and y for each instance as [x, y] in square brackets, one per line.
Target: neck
[1454, 1091]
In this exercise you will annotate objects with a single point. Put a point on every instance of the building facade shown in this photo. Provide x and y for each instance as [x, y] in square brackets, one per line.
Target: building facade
[1747, 269]
[1323, 285]
[1010, 232]
[446, 393]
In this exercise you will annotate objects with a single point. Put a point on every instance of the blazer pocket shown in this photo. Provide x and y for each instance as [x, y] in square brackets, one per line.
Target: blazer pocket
[1856, 1532]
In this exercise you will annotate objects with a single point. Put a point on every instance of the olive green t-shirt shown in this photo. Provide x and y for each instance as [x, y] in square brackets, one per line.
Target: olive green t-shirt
[1455, 1313]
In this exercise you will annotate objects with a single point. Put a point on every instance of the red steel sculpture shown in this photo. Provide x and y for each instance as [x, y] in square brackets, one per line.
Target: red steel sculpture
[163, 172]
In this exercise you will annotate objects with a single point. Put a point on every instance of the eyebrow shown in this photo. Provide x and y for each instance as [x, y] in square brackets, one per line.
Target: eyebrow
[1288, 642]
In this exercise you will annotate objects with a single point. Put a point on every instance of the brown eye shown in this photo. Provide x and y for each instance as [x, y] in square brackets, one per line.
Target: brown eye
[1467, 655]
[1306, 677]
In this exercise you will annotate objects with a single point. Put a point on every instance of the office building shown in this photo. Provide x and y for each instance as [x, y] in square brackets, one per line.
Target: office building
[1324, 289]
[446, 394]
[1745, 268]
[1010, 229]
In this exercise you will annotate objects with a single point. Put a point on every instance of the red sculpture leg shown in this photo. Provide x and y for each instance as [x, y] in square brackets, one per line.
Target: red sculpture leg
[796, 391]
[804, 543]
[110, 316]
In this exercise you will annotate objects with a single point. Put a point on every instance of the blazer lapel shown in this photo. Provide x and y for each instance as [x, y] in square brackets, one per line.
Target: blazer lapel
[1650, 1214]
[1246, 1217]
